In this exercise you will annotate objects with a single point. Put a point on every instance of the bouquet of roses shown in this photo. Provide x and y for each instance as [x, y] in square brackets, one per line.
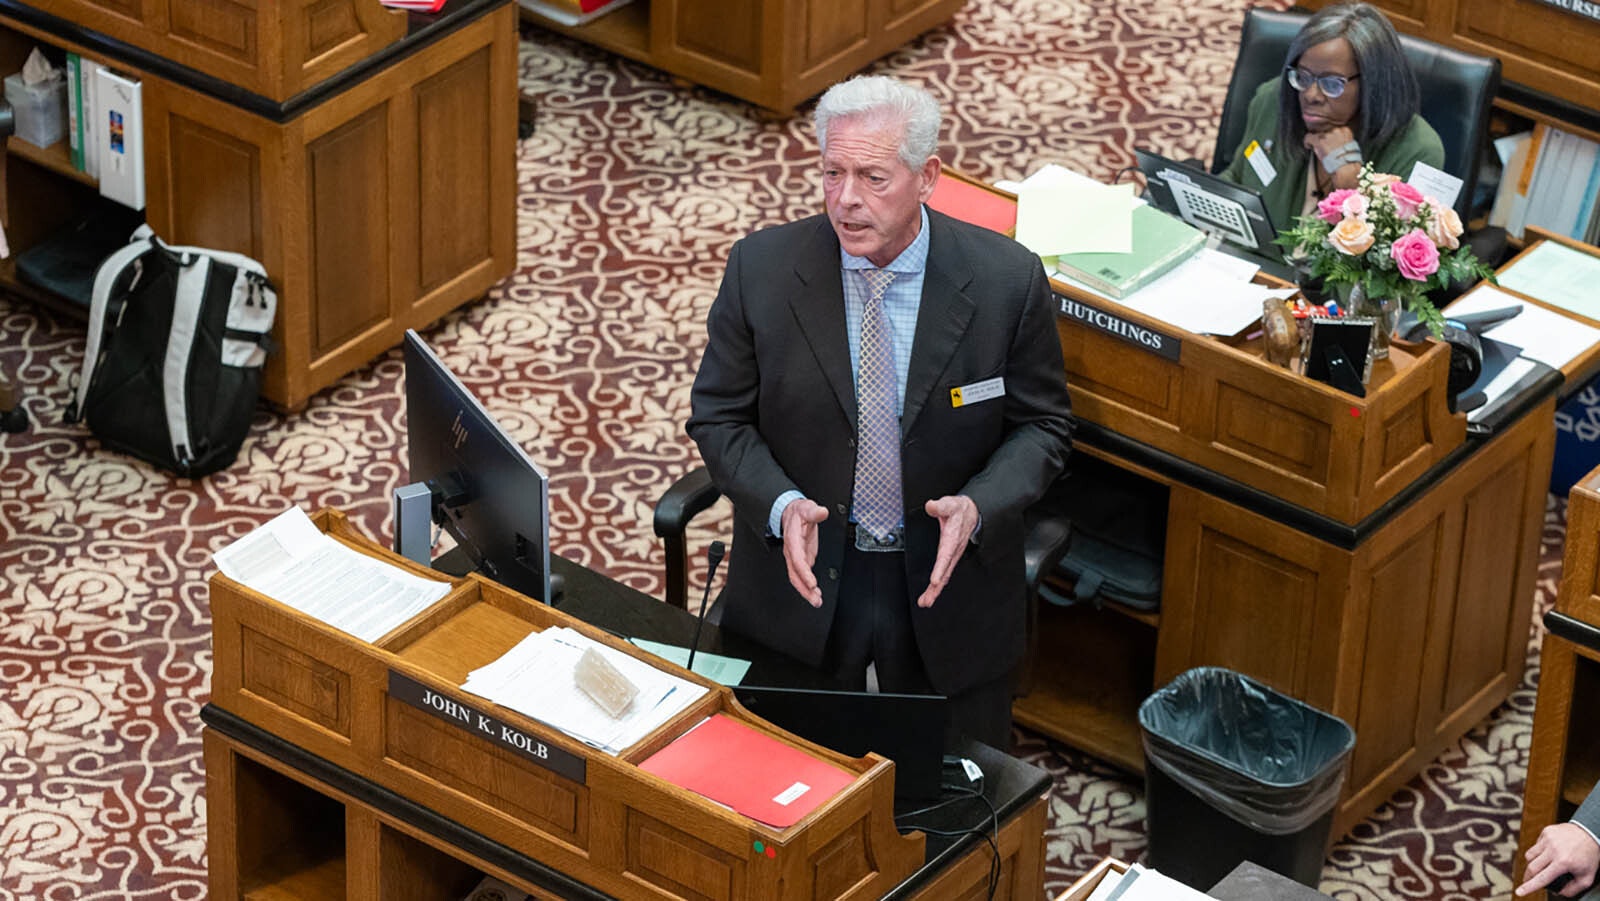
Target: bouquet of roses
[1389, 239]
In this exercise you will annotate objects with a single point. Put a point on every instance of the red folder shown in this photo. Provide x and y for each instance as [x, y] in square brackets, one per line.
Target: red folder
[972, 203]
[749, 771]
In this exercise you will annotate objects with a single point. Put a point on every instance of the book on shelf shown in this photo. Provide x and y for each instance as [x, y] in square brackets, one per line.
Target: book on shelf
[1551, 180]
[75, 109]
[1160, 242]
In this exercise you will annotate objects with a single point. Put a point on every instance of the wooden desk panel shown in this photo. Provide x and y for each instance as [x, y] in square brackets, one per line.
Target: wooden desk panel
[1356, 553]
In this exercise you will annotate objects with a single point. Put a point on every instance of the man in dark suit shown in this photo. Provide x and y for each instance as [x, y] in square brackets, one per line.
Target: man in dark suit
[881, 397]
[1567, 848]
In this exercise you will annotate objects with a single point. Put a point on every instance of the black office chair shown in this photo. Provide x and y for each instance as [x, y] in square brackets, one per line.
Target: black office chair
[1458, 89]
[1048, 537]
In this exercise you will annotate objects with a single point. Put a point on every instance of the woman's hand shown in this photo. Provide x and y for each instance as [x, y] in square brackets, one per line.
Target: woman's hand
[1321, 143]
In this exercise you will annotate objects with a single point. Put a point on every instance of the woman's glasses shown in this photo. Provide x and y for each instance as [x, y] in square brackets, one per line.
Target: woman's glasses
[1332, 85]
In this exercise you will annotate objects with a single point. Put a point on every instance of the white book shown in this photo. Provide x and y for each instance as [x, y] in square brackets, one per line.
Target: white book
[89, 70]
[121, 124]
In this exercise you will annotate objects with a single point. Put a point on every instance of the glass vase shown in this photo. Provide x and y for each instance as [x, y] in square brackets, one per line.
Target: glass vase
[1384, 312]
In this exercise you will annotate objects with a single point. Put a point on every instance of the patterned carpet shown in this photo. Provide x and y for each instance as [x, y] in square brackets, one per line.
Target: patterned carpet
[632, 189]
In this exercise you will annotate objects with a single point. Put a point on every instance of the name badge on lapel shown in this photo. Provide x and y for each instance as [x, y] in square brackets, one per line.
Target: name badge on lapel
[977, 392]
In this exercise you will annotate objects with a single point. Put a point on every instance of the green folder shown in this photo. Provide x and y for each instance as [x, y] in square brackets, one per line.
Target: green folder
[1160, 242]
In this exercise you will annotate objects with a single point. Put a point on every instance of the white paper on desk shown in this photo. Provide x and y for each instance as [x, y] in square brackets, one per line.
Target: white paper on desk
[1559, 276]
[1435, 183]
[536, 678]
[1144, 884]
[1544, 335]
[1499, 385]
[1205, 295]
[1057, 215]
[293, 563]
[719, 669]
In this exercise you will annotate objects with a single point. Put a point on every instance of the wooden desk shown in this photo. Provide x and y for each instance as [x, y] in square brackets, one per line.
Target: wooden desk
[1366, 555]
[774, 54]
[1564, 756]
[373, 175]
[319, 782]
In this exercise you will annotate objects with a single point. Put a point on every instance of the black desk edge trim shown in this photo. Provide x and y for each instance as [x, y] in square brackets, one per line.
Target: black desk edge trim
[120, 52]
[1574, 630]
[1550, 105]
[1316, 525]
[401, 808]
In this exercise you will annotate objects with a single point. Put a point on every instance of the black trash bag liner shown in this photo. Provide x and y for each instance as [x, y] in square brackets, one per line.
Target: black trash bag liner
[1271, 762]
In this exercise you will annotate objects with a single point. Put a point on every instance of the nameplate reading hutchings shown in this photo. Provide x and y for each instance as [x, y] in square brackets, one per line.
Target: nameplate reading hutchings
[485, 726]
[1148, 339]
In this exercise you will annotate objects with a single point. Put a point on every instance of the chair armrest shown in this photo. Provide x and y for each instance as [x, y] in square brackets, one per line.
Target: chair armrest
[1049, 536]
[683, 501]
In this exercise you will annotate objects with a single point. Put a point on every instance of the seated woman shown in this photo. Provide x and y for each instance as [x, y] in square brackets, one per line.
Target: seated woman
[1347, 96]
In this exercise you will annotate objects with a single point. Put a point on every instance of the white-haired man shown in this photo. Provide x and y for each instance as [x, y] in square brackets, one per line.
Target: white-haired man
[881, 397]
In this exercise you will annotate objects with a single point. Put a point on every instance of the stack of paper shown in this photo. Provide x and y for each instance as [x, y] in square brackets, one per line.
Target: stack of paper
[536, 678]
[1140, 883]
[293, 563]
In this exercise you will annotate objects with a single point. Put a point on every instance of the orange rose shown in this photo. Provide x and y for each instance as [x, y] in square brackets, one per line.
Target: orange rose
[1352, 236]
[1444, 228]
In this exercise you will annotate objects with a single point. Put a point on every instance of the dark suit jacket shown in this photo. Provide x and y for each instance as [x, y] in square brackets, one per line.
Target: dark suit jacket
[774, 408]
[1589, 813]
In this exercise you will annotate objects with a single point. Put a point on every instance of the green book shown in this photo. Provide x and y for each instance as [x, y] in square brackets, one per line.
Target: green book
[1160, 242]
[75, 109]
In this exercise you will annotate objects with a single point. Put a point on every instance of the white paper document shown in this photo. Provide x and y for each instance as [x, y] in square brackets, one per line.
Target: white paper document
[1544, 335]
[1060, 211]
[1140, 883]
[536, 678]
[1208, 294]
[1559, 276]
[293, 563]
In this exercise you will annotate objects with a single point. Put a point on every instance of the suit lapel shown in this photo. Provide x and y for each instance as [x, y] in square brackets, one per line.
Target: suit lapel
[817, 302]
[942, 318]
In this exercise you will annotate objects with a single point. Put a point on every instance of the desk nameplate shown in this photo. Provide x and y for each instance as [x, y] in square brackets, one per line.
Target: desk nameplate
[475, 722]
[1159, 343]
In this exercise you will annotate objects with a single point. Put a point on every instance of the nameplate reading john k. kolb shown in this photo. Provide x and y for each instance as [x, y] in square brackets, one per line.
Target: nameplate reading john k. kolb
[1147, 339]
[475, 722]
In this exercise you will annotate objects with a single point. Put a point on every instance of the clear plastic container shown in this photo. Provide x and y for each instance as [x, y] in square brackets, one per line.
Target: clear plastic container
[40, 109]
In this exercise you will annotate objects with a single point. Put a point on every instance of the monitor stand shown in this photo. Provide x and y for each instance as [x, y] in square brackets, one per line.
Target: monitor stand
[413, 538]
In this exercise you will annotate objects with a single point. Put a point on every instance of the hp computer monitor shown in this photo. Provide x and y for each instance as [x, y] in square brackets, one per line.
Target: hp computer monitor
[468, 476]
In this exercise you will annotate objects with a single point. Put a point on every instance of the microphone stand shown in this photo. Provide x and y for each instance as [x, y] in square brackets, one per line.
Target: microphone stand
[714, 557]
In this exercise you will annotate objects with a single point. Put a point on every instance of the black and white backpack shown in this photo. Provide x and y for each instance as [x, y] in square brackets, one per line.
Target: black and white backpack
[177, 338]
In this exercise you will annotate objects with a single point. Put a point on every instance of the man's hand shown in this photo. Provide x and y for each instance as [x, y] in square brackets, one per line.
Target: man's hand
[957, 516]
[800, 520]
[1321, 143]
[1561, 848]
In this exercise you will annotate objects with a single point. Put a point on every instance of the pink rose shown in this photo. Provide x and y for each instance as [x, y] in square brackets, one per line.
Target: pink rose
[1406, 199]
[1352, 236]
[1331, 208]
[1415, 254]
[1444, 226]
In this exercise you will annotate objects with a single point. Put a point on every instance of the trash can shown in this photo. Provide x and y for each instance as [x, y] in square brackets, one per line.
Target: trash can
[1236, 771]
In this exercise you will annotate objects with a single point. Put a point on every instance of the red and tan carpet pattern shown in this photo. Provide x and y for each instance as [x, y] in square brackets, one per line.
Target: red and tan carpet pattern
[632, 189]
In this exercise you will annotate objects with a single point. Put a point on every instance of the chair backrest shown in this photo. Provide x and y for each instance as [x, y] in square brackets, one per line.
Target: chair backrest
[1457, 88]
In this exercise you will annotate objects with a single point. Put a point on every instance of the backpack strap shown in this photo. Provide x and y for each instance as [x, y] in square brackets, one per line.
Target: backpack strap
[105, 278]
[194, 272]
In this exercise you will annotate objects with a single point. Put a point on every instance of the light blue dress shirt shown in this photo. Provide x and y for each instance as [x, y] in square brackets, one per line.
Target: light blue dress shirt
[901, 302]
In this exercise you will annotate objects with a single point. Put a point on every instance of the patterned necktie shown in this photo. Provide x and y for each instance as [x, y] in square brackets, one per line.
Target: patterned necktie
[877, 487]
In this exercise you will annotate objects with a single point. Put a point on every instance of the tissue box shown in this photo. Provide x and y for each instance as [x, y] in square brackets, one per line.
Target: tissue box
[41, 109]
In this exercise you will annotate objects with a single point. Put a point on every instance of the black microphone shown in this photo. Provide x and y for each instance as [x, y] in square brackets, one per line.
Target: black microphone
[714, 555]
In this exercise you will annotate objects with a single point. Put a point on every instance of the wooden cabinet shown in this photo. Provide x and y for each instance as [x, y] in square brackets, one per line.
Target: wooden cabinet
[773, 53]
[1363, 554]
[378, 199]
[1564, 756]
